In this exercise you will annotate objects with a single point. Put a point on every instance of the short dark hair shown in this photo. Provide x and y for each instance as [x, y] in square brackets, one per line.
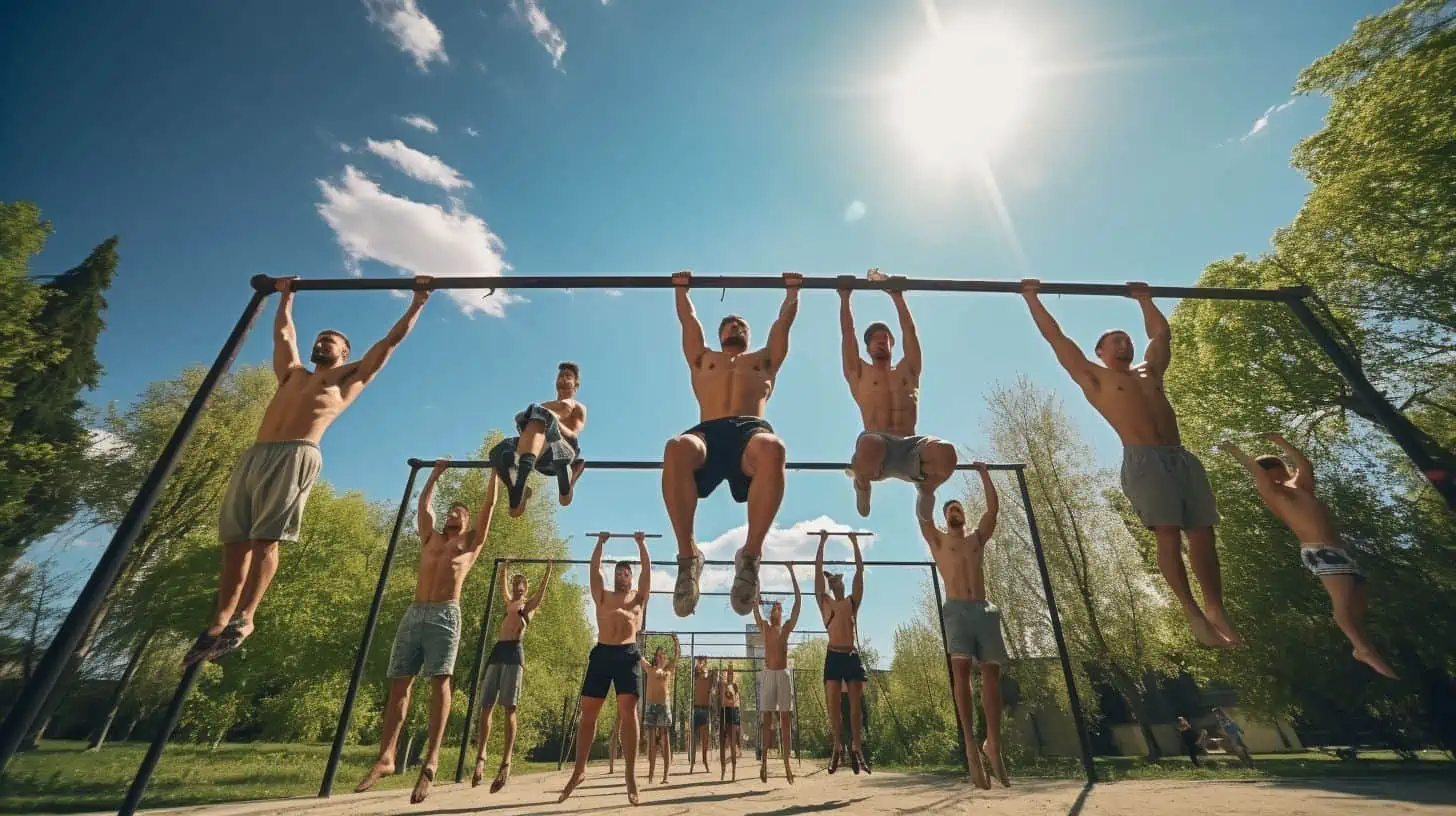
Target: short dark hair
[622, 564]
[572, 367]
[454, 505]
[733, 318]
[338, 334]
[877, 326]
[1269, 462]
[1101, 338]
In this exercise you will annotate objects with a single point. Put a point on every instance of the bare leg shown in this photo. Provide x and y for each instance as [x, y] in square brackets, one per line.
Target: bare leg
[733, 749]
[765, 725]
[627, 713]
[590, 708]
[503, 775]
[868, 461]
[763, 462]
[528, 448]
[960, 669]
[784, 735]
[704, 744]
[723, 732]
[1348, 596]
[991, 706]
[612, 746]
[651, 753]
[682, 456]
[439, 713]
[577, 466]
[485, 716]
[395, 707]
[836, 738]
[237, 557]
[1203, 557]
[856, 722]
[937, 464]
[666, 752]
[1170, 563]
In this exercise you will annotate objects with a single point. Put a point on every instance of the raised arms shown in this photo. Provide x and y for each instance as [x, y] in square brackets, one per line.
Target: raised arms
[821, 584]
[848, 343]
[1070, 357]
[540, 594]
[856, 592]
[487, 510]
[778, 335]
[285, 336]
[692, 331]
[798, 603]
[911, 354]
[644, 580]
[378, 354]
[1303, 475]
[757, 613]
[596, 567]
[425, 515]
[676, 654]
[1159, 352]
[1263, 480]
[987, 526]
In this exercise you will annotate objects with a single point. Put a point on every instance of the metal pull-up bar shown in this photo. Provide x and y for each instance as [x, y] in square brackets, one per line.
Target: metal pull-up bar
[263, 283]
[651, 464]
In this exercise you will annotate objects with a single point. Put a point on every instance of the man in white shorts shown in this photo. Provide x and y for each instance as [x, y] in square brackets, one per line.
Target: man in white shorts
[778, 680]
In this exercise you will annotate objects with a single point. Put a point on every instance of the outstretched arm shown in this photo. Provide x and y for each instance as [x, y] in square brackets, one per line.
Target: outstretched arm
[285, 336]
[821, 585]
[425, 514]
[778, 335]
[536, 599]
[993, 503]
[848, 344]
[907, 329]
[1071, 357]
[676, 654]
[378, 354]
[930, 533]
[1159, 352]
[856, 592]
[798, 603]
[757, 613]
[505, 577]
[487, 511]
[596, 568]
[1303, 470]
[692, 331]
[1262, 479]
[644, 581]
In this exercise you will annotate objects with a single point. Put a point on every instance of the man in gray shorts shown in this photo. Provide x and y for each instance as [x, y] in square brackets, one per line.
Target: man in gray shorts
[1164, 482]
[888, 397]
[429, 633]
[269, 487]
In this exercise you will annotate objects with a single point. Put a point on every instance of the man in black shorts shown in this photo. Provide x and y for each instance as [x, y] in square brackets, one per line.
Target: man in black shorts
[615, 661]
[843, 671]
[732, 443]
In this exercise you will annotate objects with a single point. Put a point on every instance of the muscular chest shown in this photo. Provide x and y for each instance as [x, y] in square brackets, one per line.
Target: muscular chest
[895, 387]
[744, 368]
[312, 391]
[446, 552]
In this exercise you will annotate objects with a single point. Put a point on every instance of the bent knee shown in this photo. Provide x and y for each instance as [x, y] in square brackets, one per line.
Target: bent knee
[767, 450]
[684, 451]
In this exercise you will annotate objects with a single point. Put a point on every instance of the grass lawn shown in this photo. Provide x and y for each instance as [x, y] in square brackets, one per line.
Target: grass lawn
[1220, 766]
[61, 778]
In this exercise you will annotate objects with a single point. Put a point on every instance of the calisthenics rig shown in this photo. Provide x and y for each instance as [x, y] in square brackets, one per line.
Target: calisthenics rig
[108, 567]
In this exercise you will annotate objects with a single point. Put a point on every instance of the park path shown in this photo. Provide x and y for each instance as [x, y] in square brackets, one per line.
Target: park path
[843, 793]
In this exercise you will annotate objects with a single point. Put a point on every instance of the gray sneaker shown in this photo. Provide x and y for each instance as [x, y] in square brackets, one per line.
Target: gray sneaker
[685, 591]
[745, 582]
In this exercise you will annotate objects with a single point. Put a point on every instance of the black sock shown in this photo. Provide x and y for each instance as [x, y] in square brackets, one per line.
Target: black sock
[525, 463]
[563, 479]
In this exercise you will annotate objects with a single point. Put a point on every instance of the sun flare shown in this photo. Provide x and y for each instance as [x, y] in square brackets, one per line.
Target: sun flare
[962, 94]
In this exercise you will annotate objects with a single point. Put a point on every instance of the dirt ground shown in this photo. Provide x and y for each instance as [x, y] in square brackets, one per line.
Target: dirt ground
[703, 794]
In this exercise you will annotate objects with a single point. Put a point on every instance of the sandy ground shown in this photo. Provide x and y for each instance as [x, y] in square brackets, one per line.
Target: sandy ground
[702, 794]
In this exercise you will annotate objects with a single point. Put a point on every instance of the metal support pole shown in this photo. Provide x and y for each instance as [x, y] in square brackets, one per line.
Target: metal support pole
[361, 658]
[1046, 584]
[159, 742]
[108, 568]
[949, 671]
[565, 707]
[477, 673]
[1405, 434]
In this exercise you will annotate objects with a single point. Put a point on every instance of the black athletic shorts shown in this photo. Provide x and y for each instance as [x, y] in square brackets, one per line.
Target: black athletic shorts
[730, 716]
[700, 716]
[844, 667]
[610, 665]
[725, 440]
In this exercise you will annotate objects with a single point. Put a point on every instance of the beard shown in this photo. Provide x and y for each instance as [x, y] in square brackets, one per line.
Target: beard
[879, 354]
[955, 523]
[736, 344]
[451, 527]
[321, 357]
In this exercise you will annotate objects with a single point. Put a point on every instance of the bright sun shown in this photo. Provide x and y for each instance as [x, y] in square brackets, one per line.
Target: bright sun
[962, 94]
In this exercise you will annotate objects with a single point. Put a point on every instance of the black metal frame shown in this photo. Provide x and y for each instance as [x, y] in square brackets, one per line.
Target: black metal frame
[108, 568]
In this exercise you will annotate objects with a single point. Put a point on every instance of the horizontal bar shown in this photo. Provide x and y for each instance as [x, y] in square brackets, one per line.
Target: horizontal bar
[845, 533]
[622, 535]
[723, 594]
[640, 464]
[682, 632]
[832, 283]
[673, 560]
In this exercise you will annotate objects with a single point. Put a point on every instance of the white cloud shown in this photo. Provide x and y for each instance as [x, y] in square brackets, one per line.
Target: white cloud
[415, 238]
[855, 211]
[345, 148]
[420, 121]
[470, 131]
[105, 444]
[1263, 121]
[417, 165]
[545, 31]
[612, 292]
[414, 33]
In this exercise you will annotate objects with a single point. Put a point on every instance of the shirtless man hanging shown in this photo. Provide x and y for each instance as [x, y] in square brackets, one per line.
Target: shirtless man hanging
[505, 668]
[888, 397]
[777, 697]
[730, 730]
[843, 671]
[549, 443]
[702, 707]
[657, 721]
[429, 633]
[972, 625]
[265, 496]
[1290, 496]
[733, 442]
[614, 661]
[1164, 482]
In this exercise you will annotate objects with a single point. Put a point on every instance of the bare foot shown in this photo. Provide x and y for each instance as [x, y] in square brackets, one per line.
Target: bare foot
[502, 776]
[1219, 618]
[572, 783]
[372, 778]
[422, 785]
[1373, 660]
[1205, 631]
[862, 498]
[977, 768]
[576, 468]
[632, 789]
[998, 766]
[478, 774]
[520, 509]
[763, 772]
[789, 774]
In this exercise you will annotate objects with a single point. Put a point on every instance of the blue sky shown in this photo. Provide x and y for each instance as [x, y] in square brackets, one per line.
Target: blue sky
[636, 137]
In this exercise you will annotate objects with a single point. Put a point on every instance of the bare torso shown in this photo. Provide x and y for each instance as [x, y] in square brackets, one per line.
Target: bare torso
[888, 398]
[445, 560]
[702, 687]
[839, 622]
[1306, 516]
[1134, 405]
[730, 695]
[307, 402]
[961, 560]
[729, 386]
[657, 682]
[513, 624]
[619, 616]
[775, 646]
[569, 415]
